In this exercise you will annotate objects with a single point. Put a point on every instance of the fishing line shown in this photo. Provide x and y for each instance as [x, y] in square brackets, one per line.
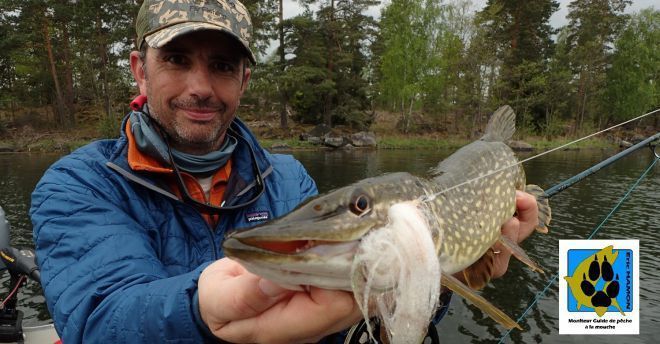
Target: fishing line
[593, 233]
[433, 196]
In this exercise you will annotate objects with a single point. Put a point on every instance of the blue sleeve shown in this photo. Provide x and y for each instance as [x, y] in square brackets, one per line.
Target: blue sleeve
[443, 306]
[101, 274]
[307, 184]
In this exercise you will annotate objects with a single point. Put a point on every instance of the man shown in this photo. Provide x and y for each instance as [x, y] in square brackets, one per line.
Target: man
[128, 232]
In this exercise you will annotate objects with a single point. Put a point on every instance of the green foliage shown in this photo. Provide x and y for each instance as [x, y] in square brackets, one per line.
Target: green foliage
[264, 22]
[324, 77]
[591, 32]
[433, 62]
[521, 34]
[70, 54]
[109, 128]
[632, 80]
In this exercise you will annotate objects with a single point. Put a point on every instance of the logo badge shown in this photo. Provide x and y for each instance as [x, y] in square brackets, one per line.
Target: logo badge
[257, 216]
[599, 287]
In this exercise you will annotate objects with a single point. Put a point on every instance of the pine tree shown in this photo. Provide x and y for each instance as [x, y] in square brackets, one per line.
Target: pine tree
[326, 76]
[592, 29]
[522, 34]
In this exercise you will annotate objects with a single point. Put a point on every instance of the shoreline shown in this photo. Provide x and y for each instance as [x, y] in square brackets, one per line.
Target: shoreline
[64, 142]
[418, 142]
[61, 144]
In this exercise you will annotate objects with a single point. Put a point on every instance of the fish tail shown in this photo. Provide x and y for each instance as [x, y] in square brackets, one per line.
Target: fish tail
[501, 126]
[545, 214]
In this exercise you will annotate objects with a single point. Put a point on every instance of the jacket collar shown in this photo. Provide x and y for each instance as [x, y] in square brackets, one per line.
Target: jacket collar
[241, 182]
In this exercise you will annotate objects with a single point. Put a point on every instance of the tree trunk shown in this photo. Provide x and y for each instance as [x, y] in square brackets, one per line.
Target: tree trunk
[583, 107]
[69, 116]
[103, 54]
[409, 116]
[12, 104]
[284, 122]
[327, 113]
[581, 98]
[59, 99]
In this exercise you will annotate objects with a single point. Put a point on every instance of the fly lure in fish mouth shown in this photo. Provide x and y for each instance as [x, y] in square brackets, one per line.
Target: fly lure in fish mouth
[465, 202]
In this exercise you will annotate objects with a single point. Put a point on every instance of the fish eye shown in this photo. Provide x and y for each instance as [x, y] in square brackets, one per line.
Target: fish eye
[360, 205]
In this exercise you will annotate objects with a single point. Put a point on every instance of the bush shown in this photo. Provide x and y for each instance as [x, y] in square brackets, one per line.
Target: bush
[109, 128]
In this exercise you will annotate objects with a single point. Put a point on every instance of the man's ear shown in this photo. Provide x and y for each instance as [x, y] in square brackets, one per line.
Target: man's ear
[246, 79]
[137, 68]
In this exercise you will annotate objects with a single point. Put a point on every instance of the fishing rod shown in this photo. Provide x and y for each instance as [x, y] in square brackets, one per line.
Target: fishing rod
[591, 170]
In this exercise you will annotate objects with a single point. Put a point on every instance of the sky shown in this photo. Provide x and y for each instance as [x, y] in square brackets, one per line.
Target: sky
[292, 8]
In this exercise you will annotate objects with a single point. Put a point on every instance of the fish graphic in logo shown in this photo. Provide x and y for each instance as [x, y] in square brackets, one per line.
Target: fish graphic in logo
[594, 280]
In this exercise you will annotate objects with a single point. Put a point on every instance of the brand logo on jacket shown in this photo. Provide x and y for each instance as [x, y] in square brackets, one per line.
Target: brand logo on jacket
[257, 216]
[599, 287]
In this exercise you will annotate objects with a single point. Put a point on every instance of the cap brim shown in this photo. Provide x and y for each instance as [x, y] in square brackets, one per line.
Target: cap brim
[163, 36]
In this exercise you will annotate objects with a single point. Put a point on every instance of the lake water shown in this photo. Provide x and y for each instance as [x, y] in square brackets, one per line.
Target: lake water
[576, 212]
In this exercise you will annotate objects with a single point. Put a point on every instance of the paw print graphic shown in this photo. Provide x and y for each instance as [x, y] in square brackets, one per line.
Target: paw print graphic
[600, 270]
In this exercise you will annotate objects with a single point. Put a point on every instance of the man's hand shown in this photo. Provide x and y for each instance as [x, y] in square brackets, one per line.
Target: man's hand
[518, 228]
[240, 307]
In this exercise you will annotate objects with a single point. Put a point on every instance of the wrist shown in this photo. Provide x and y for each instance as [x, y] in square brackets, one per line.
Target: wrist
[199, 321]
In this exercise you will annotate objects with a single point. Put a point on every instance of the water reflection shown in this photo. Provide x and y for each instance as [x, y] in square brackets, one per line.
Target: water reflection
[576, 212]
[20, 173]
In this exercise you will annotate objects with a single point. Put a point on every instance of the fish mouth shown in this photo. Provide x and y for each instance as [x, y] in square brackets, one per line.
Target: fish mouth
[316, 252]
[321, 263]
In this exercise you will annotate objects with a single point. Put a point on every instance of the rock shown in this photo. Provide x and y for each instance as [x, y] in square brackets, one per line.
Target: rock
[363, 139]
[6, 149]
[520, 146]
[335, 142]
[637, 138]
[320, 130]
[315, 140]
[625, 144]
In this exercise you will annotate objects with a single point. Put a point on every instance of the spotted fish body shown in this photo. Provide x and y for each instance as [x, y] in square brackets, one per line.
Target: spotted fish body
[466, 201]
[471, 215]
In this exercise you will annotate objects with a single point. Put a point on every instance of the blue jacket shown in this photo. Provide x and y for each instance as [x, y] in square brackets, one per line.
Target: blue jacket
[120, 256]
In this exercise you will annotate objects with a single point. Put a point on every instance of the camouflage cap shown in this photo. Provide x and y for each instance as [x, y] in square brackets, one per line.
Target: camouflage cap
[160, 21]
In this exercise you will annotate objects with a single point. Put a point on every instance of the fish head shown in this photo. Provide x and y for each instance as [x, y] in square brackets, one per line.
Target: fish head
[315, 244]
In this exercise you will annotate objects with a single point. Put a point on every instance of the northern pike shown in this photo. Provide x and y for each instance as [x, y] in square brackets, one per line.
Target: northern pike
[466, 200]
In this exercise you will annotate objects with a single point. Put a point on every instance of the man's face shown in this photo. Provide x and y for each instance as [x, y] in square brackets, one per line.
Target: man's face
[193, 85]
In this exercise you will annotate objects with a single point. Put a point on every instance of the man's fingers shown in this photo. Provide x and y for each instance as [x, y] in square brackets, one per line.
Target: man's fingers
[246, 296]
[528, 215]
[510, 229]
[305, 317]
[227, 292]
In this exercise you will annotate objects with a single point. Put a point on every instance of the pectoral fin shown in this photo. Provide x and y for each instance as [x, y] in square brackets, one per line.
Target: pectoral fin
[519, 253]
[545, 213]
[461, 289]
[479, 273]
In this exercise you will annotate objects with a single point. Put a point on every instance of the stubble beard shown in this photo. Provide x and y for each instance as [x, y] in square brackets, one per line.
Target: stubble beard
[191, 138]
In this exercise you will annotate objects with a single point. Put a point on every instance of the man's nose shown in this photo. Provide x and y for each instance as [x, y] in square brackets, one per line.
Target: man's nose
[200, 84]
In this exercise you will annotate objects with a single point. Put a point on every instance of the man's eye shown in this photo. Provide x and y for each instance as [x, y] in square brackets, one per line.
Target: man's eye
[176, 59]
[224, 67]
